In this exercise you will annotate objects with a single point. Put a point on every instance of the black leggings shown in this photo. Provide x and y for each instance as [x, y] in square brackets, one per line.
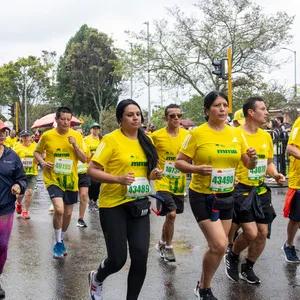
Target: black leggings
[94, 190]
[119, 227]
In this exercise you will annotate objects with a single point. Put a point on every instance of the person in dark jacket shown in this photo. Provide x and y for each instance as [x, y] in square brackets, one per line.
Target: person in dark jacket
[12, 183]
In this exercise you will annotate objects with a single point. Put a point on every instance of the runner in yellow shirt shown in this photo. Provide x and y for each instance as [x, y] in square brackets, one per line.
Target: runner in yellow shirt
[252, 198]
[25, 151]
[216, 150]
[11, 139]
[167, 142]
[64, 147]
[124, 162]
[83, 185]
[292, 211]
[92, 142]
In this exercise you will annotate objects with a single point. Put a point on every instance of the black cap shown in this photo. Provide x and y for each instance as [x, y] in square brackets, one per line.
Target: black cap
[24, 133]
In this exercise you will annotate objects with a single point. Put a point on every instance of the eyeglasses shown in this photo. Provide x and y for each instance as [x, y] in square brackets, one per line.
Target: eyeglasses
[173, 116]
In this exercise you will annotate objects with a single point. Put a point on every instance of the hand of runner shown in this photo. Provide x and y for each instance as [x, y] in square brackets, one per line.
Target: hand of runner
[127, 179]
[280, 178]
[16, 189]
[204, 170]
[72, 140]
[251, 152]
[47, 165]
[156, 174]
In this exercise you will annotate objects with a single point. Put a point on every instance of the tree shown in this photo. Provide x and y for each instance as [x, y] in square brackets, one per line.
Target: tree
[28, 80]
[183, 52]
[87, 79]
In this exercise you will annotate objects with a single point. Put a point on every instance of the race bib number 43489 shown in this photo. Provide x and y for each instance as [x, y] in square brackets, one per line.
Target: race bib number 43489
[139, 188]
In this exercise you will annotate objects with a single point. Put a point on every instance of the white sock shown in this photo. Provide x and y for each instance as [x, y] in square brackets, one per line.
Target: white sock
[169, 246]
[58, 235]
[162, 243]
[62, 235]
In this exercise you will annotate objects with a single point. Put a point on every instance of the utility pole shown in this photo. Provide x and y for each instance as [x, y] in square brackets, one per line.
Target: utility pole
[295, 70]
[148, 70]
[229, 80]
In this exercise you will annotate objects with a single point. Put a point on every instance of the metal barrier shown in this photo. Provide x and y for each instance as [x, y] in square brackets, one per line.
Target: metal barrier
[281, 158]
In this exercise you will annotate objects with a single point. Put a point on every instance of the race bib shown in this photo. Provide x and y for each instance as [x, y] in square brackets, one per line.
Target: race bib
[139, 188]
[222, 180]
[259, 171]
[27, 162]
[170, 170]
[63, 166]
[81, 167]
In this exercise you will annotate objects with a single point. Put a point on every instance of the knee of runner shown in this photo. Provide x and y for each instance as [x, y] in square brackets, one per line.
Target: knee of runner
[171, 215]
[250, 235]
[219, 248]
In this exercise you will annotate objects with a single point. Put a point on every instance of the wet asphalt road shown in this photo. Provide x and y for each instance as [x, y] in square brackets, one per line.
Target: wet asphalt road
[31, 272]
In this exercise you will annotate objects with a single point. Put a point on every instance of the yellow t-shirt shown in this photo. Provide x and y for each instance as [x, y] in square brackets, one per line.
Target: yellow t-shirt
[167, 149]
[220, 149]
[82, 167]
[92, 144]
[261, 141]
[294, 174]
[60, 152]
[27, 158]
[119, 155]
[10, 142]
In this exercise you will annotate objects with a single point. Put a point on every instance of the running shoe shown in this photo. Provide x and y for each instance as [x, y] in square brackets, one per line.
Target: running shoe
[95, 206]
[91, 205]
[161, 249]
[81, 223]
[290, 254]
[18, 208]
[58, 251]
[25, 215]
[203, 294]
[2, 292]
[63, 248]
[169, 255]
[51, 208]
[231, 267]
[95, 288]
[248, 274]
[229, 248]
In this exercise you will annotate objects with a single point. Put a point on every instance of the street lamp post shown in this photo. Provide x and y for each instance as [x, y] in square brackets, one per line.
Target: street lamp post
[295, 70]
[148, 70]
[131, 71]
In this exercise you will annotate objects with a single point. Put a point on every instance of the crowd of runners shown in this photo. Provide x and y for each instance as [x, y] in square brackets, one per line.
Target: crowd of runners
[116, 174]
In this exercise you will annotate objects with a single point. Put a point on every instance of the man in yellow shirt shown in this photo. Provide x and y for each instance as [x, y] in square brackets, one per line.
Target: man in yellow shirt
[167, 142]
[252, 198]
[11, 139]
[64, 147]
[292, 211]
[92, 142]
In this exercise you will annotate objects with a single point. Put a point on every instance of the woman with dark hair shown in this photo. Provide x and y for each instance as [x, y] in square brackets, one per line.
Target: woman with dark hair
[124, 163]
[216, 150]
[12, 183]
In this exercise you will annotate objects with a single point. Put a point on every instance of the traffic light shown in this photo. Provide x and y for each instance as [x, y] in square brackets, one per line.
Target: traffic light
[11, 109]
[220, 68]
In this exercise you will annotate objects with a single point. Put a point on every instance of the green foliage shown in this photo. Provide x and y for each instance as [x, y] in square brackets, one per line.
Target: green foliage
[182, 51]
[157, 118]
[26, 78]
[86, 76]
[193, 110]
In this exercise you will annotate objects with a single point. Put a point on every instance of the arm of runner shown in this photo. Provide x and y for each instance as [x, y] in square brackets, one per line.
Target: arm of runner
[292, 149]
[95, 171]
[272, 171]
[80, 153]
[249, 159]
[44, 164]
[182, 164]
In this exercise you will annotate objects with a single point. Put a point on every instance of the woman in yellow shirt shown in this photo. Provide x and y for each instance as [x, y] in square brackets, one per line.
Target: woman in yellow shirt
[216, 150]
[124, 163]
[25, 150]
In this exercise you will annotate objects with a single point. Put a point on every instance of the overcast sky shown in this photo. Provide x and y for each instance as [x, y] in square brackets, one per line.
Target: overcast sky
[30, 26]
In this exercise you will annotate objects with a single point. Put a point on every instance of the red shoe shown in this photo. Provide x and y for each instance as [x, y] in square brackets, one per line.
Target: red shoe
[18, 208]
[25, 215]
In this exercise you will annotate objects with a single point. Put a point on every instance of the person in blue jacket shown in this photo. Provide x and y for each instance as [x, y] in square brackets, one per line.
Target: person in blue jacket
[12, 183]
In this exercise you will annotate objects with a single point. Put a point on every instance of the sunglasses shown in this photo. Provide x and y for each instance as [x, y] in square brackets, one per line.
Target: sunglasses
[173, 116]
